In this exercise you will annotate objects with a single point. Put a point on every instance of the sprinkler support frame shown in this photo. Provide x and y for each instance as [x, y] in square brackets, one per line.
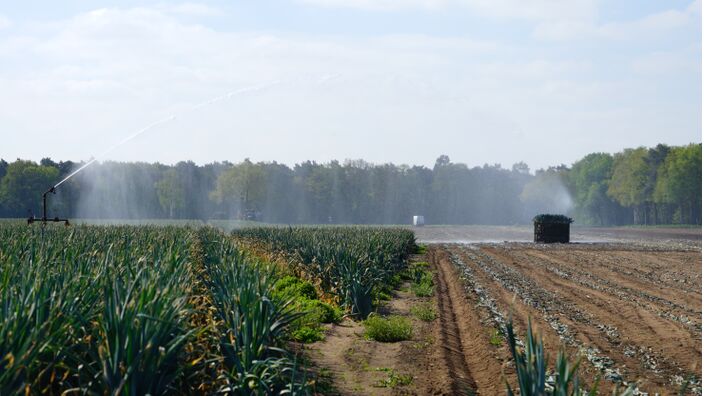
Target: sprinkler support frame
[44, 219]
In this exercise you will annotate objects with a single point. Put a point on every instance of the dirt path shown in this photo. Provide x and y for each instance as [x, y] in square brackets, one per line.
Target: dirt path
[451, 355]
[358, 366]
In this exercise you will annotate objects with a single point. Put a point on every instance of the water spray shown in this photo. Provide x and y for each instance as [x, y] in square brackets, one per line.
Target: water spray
[216, 99]
[45, 219]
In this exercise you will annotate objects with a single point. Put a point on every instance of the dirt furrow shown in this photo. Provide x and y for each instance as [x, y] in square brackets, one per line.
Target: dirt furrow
[620, 335]
[560, 317]
[473, 366]
[595, 282]
[665, 348]
[496, 302]
[639, 270]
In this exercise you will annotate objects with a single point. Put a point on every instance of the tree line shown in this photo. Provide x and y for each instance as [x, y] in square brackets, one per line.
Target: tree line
[659, 185]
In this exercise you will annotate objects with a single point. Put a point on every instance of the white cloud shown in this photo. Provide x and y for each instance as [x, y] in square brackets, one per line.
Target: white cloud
[195, 9]
[101, 75]
[379, 5]
[673, 62]
[520, 9]
[649, 26]
[5, 22]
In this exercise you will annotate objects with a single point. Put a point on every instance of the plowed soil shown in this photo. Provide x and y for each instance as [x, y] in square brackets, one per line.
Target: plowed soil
[626, 302]
[631, 313]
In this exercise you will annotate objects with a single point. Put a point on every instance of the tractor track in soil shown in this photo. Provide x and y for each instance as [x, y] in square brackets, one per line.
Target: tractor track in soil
[472, 362]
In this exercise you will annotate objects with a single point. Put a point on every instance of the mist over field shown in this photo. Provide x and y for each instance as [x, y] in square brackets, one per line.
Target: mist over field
[465, 112]
[660, 185]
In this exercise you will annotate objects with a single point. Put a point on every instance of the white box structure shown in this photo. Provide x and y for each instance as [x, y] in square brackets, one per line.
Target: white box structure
[418, 221]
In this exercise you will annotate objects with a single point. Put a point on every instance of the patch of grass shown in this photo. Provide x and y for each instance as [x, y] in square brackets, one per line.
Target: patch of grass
[427, 341]
[382, 295]
[391, 329]
[414, 270]
[395, 281]
[394, 379]
[290, 287]
[307, 334]
[318, 311]
[421, 249]
[496, 339]
[421, 345]
[303, 299]
[421, 278]
[425, 312]
[424, 286]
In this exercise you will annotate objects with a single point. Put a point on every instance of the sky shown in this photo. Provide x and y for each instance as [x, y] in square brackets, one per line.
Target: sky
[404, 81]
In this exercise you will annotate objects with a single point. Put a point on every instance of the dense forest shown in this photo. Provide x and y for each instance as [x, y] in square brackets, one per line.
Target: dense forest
[660, 185]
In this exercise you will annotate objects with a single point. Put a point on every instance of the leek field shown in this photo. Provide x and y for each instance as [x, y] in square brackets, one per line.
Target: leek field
[135, 310]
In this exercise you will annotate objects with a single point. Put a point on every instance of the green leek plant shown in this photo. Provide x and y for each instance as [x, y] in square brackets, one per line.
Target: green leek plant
[348, 262]
[142, 334]
[531, 369]
[253, 325]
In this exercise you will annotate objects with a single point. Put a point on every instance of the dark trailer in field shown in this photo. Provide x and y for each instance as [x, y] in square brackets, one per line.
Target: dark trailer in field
[550, 228]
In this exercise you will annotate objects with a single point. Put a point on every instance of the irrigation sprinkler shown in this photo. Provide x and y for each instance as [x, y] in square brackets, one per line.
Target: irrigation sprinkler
[44, 219]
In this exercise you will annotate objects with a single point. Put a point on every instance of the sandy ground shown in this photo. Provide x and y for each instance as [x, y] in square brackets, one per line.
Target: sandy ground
[357, 366]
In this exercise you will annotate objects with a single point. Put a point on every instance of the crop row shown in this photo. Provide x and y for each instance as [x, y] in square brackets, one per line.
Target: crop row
[351, 263]
[138, 310]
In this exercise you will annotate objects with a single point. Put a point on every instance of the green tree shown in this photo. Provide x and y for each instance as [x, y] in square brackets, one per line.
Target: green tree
[319, 187]
[242, 188]
[3, 168]
[656, 212]
[679, 182]
[590, 180]
[629, 184]
[171, 192]
[23, 184]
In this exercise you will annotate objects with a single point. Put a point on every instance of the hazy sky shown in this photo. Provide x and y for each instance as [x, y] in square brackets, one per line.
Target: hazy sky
[483, 81]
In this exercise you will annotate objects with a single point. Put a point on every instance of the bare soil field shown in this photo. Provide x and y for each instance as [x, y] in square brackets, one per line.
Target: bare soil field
[477, 233]
[630, 312]
[625, 302]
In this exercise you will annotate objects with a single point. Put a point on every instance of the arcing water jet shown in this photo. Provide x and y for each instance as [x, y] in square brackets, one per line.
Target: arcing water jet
[44, 219]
